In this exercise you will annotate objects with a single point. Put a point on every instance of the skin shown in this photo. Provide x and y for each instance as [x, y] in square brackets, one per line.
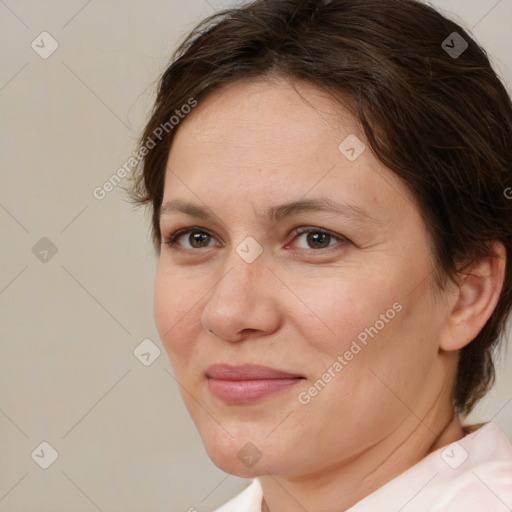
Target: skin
[253, 145]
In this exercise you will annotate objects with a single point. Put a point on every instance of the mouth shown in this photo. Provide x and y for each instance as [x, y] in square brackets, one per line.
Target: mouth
[247, 383]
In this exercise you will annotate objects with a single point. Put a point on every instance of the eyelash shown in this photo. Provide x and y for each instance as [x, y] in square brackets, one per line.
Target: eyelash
[172, 239]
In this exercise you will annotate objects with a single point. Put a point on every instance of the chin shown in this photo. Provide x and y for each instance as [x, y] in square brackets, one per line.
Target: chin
[241, 457]
[229, 463]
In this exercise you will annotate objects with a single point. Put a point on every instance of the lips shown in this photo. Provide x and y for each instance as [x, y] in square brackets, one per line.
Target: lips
[247, 383]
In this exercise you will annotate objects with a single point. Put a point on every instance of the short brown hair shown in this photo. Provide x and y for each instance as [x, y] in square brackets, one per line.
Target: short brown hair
[441, 121]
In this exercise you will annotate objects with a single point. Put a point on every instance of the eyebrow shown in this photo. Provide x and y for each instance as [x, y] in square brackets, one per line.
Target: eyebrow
[274, 213]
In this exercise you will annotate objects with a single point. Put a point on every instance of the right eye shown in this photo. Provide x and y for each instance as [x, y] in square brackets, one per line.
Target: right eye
[197, 237]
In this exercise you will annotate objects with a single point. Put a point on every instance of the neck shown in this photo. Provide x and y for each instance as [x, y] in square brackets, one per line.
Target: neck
[339, 488]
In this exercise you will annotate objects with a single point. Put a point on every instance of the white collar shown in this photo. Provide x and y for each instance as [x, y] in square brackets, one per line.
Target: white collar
[474, 473]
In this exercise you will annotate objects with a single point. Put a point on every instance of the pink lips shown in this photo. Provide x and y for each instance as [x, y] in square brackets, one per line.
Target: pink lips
[247, 383]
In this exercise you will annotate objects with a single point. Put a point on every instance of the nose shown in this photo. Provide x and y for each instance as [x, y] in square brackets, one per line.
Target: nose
[243, 303]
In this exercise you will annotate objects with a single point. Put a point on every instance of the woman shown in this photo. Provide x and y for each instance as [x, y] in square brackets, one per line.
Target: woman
[327, 181]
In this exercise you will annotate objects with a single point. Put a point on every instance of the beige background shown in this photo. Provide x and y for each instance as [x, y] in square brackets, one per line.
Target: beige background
[69, 325]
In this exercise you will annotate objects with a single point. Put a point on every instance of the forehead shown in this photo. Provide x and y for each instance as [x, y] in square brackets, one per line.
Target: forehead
[272, 141]
[275, 112]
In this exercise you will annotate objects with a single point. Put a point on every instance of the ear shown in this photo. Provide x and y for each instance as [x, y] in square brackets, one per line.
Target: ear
[475, 297]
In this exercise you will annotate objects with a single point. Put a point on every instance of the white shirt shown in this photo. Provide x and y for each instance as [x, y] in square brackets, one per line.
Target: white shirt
[473, 474]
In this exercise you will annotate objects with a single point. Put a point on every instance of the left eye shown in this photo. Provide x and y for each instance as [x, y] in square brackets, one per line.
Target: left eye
[317, 238]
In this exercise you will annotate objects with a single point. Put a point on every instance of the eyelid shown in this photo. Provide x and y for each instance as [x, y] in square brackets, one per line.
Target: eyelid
[315, 229]
[171, 240]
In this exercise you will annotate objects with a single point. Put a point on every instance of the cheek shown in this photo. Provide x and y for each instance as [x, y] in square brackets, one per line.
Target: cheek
[173, 312]
[341, 310]
[163, 304]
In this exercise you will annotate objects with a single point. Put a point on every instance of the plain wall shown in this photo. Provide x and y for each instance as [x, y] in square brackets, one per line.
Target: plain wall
[70, 324]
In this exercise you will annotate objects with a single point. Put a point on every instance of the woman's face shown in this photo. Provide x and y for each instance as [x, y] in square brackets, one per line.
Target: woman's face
[342, 314]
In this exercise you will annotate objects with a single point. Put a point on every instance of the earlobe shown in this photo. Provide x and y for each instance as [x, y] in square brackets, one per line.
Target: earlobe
[478, 292]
